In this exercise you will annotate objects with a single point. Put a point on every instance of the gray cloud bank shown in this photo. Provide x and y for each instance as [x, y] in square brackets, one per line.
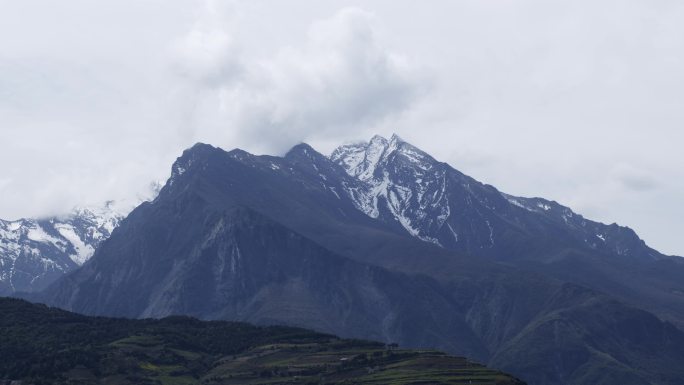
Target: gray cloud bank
[340, 79]
[577, 101]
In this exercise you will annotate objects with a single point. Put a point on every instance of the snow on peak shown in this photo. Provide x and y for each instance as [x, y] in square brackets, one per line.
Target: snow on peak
[378, 140]
[52, 244]
[36, 233]
[395, 184]
[360, 160]
[373, 155]
[14, 226]
[83, 251]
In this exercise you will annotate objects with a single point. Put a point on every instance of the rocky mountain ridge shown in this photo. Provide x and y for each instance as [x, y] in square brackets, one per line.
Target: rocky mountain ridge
[266, 239]
[436, 203]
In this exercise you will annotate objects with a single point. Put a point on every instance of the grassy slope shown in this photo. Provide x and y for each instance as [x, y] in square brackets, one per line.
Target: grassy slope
[42, 345]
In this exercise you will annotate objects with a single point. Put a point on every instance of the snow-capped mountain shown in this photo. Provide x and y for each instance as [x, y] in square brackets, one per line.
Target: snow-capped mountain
[400, 184]
[34, 252]
[389, 181]
[369, 243]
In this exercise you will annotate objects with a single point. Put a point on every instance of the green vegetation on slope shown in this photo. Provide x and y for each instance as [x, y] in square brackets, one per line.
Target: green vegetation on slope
[41, 345]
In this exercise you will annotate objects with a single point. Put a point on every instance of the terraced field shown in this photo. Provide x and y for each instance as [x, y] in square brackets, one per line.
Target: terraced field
[42, 345]
[342, 362]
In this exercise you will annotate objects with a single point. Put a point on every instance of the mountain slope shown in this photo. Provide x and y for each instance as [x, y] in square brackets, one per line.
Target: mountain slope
[238, 265]
[277, 240]
[402, 186]
[574, 341]
[58, 347]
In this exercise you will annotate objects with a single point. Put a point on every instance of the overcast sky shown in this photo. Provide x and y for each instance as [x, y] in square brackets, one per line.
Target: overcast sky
[577, 101]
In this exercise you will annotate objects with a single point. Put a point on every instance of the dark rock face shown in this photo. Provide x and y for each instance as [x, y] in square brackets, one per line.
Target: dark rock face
[577, 328]
[432, 201]
[408, 190]
[383, 242]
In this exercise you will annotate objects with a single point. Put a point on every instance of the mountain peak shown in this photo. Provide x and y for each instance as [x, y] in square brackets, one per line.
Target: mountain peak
[306, 156]
[199, 145]
[200, 148]
[291, 241]
[362, 159]
[396, 139]
[378, 140]
[196, 151]
[300, 149]
[189, 157]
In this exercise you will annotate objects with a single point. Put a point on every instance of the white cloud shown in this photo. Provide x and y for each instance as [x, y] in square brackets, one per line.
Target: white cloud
[341, 80]
[93, 110]
[578, 101]
[208, 54]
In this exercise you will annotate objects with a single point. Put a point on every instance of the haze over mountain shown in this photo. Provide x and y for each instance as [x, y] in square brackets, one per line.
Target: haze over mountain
[381, 241]
[36, 251]
[575, 101]
[493, 225]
